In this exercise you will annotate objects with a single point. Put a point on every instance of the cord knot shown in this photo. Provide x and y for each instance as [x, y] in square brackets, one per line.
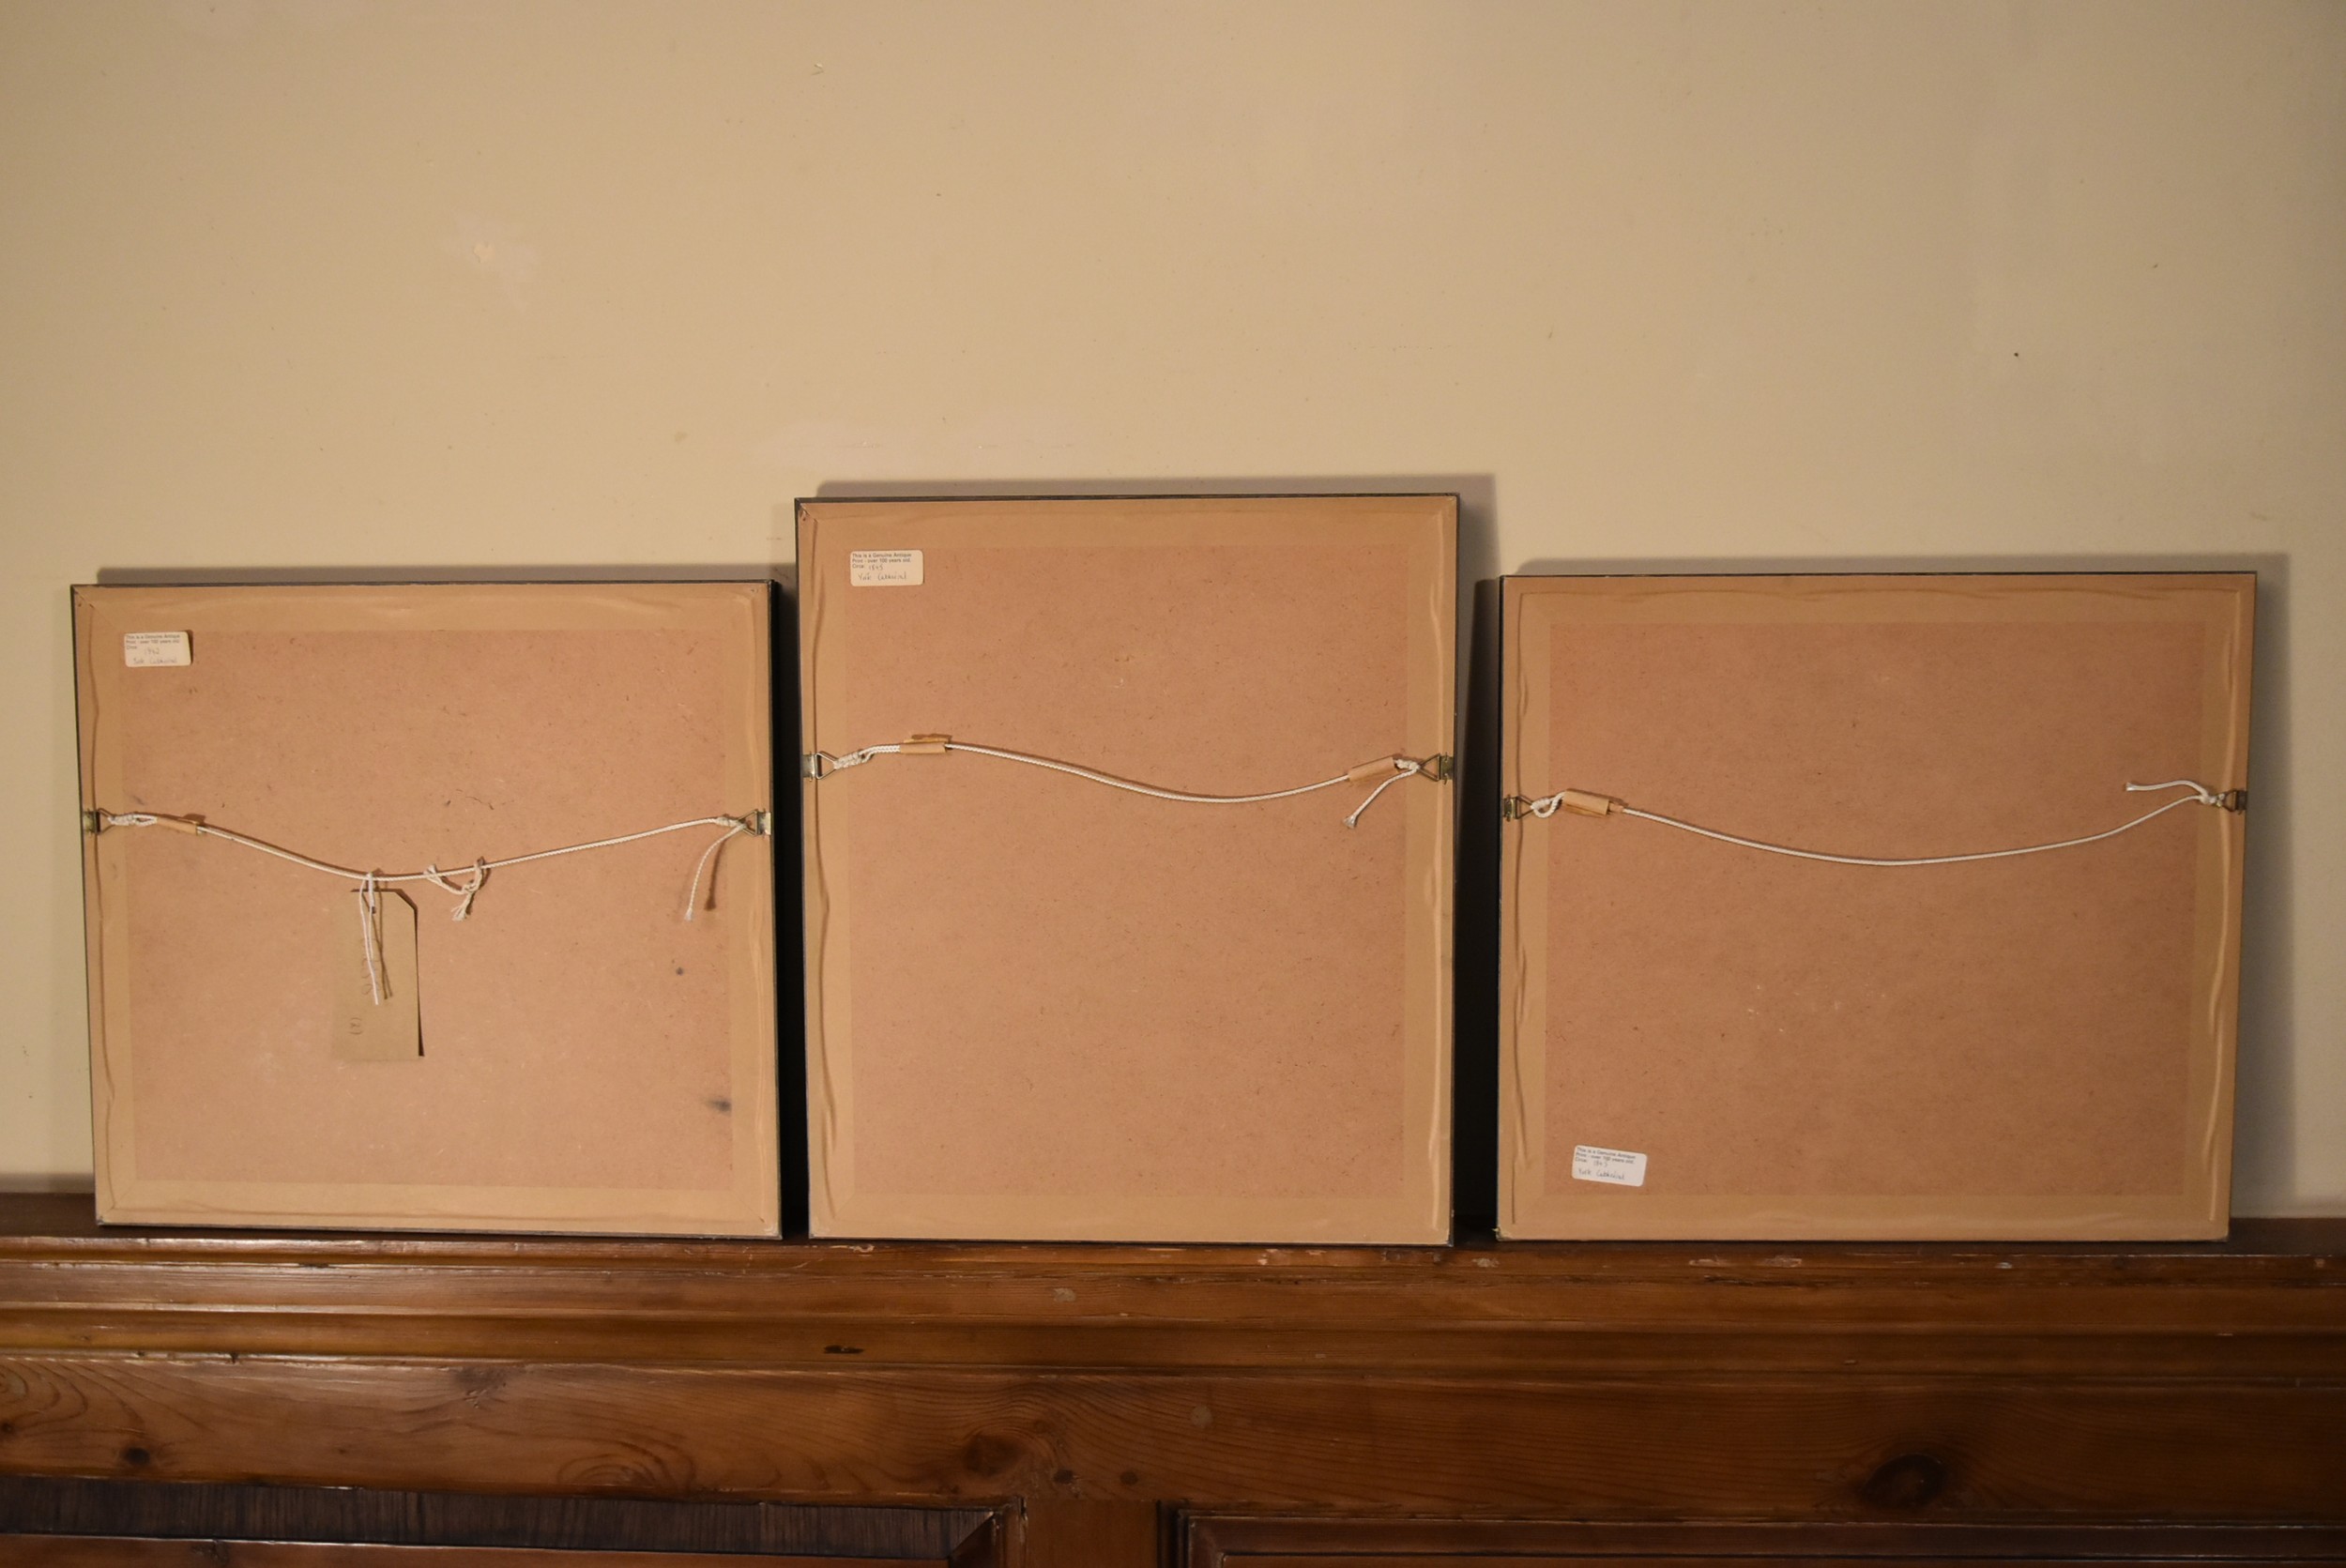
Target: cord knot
[2199, 792]
[464, 892]
[1402, 768]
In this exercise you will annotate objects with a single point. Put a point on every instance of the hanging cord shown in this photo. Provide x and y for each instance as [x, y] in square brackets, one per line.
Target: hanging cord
[1391, 770]
[465, 891]
[1586, 803]
[709, 859]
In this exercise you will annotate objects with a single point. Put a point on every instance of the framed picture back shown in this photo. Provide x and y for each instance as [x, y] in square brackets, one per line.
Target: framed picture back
[289, 791]
[1093, 953]
[1871, 907]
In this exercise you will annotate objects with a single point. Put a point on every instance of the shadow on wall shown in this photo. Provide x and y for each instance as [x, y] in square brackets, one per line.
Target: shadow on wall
[789, 913]
[2267, 1019]
[84, 1185]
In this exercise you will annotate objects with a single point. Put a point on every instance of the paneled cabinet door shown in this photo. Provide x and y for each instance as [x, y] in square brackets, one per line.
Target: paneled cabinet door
[113, 1524]
[1231, 1541]
[116, 1551]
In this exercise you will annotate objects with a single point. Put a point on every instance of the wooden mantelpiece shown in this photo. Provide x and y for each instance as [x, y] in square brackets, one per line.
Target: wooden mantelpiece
[1113, 1403]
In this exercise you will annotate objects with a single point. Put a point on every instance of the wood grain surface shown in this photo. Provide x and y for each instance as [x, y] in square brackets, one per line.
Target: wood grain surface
[2269, 1302]
[1060, 1533]
[1441, 1557]
[1091, 1394]
[65, 1551]
[1759, 1446]
[1271, 1540]
[741, 1531]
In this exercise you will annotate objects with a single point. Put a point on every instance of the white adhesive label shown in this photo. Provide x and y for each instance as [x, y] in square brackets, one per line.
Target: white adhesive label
[1620, 1166]
[884, 569]
[146, 649]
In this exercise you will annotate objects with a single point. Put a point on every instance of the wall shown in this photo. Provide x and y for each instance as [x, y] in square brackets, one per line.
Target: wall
[344, 284]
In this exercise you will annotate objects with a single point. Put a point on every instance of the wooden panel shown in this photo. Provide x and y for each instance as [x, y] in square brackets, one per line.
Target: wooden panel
[1081, 1389]
[1042, 1008]
[2269, 1302]
[1208, 1540]
[65, 1551]
[2271, 1297]
[1758, 1445]
[1058, 1532]
[286, 1517]
[1439, 1559]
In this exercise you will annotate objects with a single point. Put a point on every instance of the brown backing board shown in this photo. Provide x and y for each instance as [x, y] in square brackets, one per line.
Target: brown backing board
[2030, 1048]
[1042, 1009]
[591, 1061]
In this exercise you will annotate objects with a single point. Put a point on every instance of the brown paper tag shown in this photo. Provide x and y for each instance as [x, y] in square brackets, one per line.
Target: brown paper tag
[363, 1028]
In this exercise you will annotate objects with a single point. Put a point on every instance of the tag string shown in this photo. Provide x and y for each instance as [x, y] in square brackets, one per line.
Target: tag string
[1387, 771]
[371, 936]
[1587, 803]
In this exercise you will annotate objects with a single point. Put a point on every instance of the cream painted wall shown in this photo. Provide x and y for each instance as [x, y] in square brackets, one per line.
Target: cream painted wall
[338, 284]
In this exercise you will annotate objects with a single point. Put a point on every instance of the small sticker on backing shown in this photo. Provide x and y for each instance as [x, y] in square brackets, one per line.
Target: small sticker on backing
[884, 569]
[365, 1029]
[1620, 1166]
[148, 649]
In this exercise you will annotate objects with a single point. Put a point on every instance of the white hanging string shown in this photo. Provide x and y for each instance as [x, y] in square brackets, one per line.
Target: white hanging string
[708, 858]
[1404, 767]
[1602, 805]
[1390, 771]
[465, 892]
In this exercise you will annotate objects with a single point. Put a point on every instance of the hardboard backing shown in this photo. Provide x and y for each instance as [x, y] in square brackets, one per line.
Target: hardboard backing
[1040, 1007]
[591, 1061]
[2040, 1046]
